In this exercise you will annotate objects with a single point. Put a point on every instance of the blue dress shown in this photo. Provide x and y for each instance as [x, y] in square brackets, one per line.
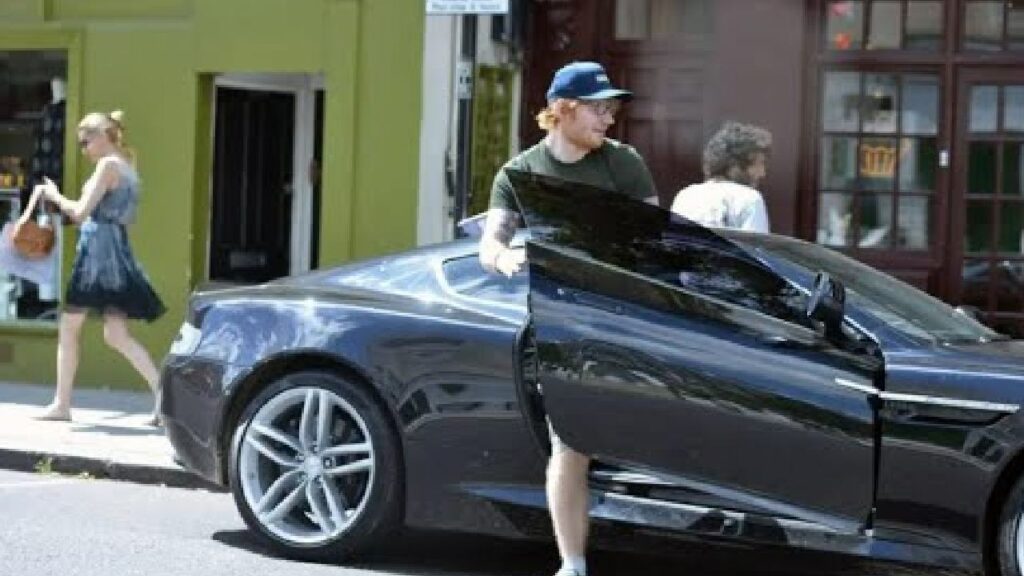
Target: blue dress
[105, 277]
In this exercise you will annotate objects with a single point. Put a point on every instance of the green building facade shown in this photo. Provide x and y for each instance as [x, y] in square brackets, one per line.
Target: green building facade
[162, 62]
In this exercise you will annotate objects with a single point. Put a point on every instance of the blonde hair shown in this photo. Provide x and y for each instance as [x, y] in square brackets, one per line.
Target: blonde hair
[110, 125]
[548, 118]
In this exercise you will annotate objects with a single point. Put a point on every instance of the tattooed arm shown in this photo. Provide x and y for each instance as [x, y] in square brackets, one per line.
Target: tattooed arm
[495, 254]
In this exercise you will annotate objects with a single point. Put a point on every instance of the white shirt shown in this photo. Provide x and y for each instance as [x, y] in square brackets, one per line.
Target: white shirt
[723, 204]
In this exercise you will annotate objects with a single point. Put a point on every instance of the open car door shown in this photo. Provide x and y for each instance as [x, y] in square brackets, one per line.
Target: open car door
[668, 349]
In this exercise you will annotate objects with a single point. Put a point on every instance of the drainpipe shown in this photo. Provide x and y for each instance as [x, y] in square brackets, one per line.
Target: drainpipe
[464, 92]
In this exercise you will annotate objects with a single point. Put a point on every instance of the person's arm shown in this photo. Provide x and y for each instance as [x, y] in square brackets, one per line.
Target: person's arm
[103, 178]
[499, 229]
[495, 253]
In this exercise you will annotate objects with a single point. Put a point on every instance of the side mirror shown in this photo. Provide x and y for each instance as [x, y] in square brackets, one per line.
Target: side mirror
[828, 305]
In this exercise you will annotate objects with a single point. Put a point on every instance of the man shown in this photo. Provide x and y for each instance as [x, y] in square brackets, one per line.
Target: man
[734, 164]
[581, 108]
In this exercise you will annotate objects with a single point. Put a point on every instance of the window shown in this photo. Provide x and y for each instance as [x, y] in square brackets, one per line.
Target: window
[898, 305]
[879, 159]
[884, 25]
[992, 26]
[661, 19]
[992, 277]
[32, 119]
[467, 277]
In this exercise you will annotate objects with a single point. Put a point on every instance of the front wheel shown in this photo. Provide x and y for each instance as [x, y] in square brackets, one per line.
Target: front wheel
[315, 467]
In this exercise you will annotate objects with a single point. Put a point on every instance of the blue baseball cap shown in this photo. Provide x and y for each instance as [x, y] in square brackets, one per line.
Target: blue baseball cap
[584, 81]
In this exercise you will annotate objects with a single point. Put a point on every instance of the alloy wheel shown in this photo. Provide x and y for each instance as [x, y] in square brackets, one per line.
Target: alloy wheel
[306, 464]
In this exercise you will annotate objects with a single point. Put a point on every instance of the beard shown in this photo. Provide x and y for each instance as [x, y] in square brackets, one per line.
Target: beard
[586, 139]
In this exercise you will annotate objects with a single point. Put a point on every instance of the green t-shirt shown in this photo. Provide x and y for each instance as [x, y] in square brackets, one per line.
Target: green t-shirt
[613, 166]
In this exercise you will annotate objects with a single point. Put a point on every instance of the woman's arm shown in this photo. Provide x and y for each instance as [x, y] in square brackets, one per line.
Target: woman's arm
[103, 178]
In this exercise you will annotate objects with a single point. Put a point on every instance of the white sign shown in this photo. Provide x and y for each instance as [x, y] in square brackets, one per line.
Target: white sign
[467, 6]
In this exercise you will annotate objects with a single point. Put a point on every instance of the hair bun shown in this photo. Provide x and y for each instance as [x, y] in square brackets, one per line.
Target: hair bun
[117, 116]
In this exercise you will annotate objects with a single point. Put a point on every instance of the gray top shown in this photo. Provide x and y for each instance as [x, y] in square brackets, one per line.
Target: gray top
[118, 204]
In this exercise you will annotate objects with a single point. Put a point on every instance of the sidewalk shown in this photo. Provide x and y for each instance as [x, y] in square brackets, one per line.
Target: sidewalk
[107, 437]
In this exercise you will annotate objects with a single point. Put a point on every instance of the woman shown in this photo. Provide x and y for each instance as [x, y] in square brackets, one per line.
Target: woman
[105, 278]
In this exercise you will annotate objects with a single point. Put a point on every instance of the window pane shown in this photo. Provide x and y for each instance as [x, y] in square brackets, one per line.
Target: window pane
[1013, 159]
[981, 168]
[915, 222]
[886, 25]
[844, 28]
[984, 108]
[878, 163]
[976, 283]
[978, 229]
[841, 108]
[834, 213]
[670, 18]
[875, 220]
[919, 160]
[1008, 284]
[1015, 26]
[1011, 224]
[983, 26]
[1013, 108]
[838, 163]
[920, 104]
[924, 25]
[880, 103]
[632, 19]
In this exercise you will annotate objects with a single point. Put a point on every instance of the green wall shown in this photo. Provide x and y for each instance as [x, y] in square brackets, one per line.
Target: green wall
[156, 61]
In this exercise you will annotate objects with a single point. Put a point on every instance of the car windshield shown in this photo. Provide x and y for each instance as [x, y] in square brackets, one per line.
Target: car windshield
[900, 306]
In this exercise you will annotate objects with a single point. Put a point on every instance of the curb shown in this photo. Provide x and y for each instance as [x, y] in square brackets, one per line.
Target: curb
[28, 461]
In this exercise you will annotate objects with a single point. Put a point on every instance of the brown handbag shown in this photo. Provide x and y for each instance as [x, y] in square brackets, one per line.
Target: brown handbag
[32, 240]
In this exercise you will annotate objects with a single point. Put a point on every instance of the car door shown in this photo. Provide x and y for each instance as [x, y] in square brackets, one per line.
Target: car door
[665, 347]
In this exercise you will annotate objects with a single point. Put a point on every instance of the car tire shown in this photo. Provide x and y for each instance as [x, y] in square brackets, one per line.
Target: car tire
[286, 486]
[1010, 547]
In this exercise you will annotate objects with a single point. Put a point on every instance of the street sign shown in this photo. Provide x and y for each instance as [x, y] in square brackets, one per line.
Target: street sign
[436, 7]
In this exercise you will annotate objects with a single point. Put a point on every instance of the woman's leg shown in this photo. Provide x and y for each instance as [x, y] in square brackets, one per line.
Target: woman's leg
[67, 364]
[117, 336]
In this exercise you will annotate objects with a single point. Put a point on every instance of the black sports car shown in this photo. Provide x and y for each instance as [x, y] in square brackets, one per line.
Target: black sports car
[732, 387]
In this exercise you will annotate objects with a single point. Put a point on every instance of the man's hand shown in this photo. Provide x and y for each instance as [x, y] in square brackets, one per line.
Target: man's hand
[510, 261]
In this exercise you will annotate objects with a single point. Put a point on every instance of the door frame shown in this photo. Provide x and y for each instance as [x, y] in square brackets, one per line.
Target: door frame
[303, 87]
[966, 76]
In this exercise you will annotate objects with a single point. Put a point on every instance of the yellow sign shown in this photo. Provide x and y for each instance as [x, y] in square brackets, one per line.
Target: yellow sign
[879, 161]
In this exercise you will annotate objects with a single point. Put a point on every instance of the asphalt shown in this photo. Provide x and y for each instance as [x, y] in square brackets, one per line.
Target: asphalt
[108, 437]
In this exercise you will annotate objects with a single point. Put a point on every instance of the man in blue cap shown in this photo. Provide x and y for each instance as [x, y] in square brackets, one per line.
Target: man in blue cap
[582, 104]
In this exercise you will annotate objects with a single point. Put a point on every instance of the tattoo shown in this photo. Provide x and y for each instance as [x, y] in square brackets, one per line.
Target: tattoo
[501, 225]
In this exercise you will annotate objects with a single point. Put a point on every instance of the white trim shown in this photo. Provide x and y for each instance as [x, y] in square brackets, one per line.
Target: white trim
[869, 390]
[932, 400]
[433, 222]
[950, 402]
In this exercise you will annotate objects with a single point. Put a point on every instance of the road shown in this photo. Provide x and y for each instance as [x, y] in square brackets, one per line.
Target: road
[74, 526]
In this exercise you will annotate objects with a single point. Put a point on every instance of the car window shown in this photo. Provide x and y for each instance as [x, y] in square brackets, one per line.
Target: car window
[467, 277]
[894, 303]
[653, 242]
[724, 273]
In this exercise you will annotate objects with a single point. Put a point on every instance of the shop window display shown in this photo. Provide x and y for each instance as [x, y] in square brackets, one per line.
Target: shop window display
[879, 157]
[32, 133]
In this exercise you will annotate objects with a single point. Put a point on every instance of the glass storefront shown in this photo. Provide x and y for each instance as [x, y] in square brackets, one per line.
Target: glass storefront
[32, 121]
